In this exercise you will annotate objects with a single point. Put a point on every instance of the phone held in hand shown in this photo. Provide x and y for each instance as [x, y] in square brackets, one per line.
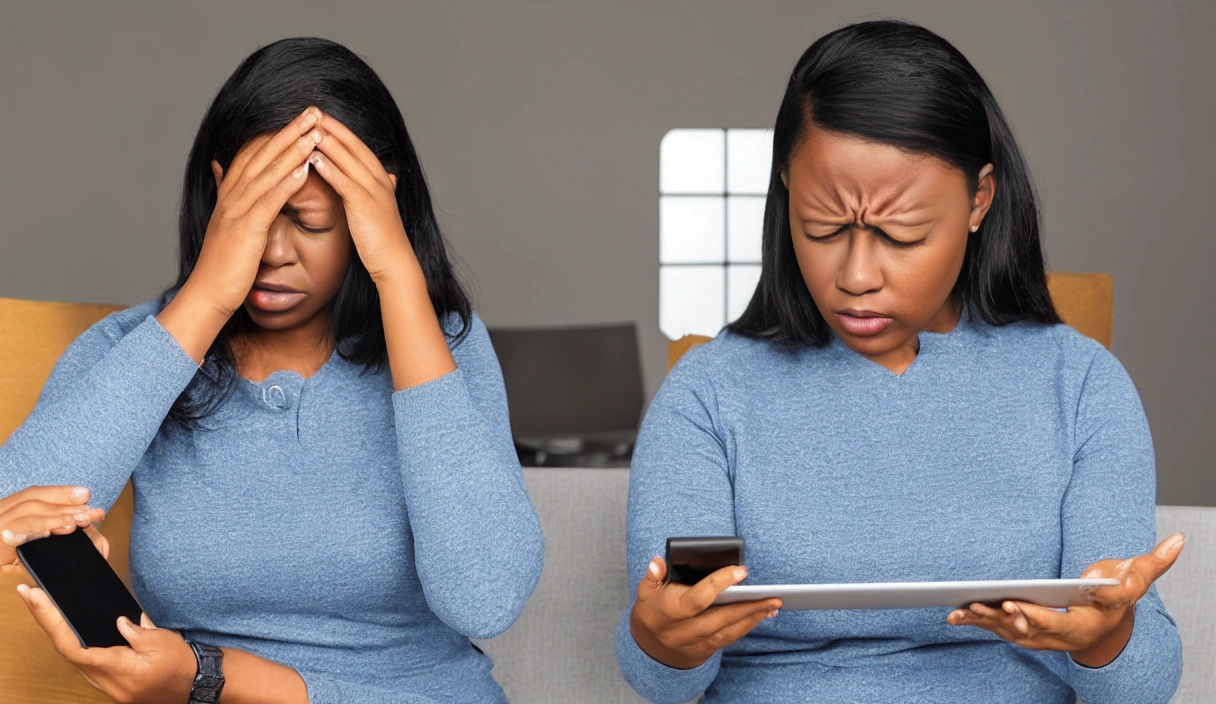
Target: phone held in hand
[82, 585]
[689, 560]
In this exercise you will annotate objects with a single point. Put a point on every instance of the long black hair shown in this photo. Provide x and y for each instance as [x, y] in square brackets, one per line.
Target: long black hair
[899, 84]
[269, 89]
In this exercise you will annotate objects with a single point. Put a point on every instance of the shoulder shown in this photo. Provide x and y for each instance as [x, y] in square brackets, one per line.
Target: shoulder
[1075, 365]
[731, 366]
[468, 339]
[1058, 347]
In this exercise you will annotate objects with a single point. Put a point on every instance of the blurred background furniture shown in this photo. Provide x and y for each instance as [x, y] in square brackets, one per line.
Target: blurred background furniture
[575, 393]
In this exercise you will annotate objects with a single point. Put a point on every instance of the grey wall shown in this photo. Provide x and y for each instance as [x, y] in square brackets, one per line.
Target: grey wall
[539, 125]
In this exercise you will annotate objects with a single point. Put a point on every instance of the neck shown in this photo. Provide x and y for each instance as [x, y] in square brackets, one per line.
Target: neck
[899, 359]
[303, 349]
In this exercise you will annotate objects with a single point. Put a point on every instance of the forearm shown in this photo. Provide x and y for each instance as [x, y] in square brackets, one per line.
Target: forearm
[249, 679]
[477, 542]
[417, 349]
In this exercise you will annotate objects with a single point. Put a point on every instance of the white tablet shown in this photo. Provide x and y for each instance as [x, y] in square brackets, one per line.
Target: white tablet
[1056, 593]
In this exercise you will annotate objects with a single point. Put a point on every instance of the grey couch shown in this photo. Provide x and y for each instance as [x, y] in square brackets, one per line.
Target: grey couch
[561, 649]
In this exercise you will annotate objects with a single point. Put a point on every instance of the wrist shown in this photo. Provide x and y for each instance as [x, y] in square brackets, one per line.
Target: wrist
[650, 645]
[401, 269]
[208, 680]
[1111, 645]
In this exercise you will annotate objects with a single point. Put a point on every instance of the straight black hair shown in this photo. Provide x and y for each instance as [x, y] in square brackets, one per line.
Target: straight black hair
[269, 89]
[899, 84]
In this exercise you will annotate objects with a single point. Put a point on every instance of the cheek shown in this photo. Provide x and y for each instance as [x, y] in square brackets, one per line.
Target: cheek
[932, 271]
[326, 259]
[818, 264]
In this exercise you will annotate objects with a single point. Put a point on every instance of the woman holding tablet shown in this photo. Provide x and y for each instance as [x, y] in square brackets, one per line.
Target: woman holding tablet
[899, 402]
[312, 416]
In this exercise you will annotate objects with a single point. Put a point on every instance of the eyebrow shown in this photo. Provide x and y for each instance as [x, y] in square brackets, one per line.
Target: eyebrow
[884, 221]
[307, 208]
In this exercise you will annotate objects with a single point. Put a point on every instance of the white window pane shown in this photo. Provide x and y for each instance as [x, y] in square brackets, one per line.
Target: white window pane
[749, 155]
[692, 229]
[692, 161]
[691, 300]
[741, 280]
[744, 224]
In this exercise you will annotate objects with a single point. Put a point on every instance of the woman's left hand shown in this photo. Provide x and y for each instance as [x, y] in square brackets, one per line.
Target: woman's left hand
[368, 194]
[1094, 634]
[159, 666]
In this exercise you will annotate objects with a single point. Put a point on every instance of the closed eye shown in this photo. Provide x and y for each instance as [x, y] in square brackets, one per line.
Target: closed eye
[312, 230]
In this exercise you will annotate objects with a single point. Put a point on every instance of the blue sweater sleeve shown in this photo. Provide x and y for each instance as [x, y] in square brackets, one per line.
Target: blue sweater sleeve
[1109, 512]
[100, 409]
[330, 691]
[477, 541]
[679, 485]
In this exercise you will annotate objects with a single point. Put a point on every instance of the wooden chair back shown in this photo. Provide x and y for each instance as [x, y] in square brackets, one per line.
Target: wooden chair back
[1084, 301]
[34, 334]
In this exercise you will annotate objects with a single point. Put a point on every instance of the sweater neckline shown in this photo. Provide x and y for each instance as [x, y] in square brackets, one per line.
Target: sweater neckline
[932, 346]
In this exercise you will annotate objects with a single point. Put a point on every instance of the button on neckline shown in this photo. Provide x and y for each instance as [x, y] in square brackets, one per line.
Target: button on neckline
[275, 396]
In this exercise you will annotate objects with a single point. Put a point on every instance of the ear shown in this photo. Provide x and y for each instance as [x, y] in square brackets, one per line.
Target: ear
[393, 178]
[217, 171]
[985, 191]
[785, 179]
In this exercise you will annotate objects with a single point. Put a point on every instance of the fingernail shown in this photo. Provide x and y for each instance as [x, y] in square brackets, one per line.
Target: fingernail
[653, 569]
[1125, 564]
[773, 613]
[80, 493]
[1022, 625]
[8, 537]
[81, 517]
[23, 590]
[740, 573]
[316, 136]
[1009, 608]
[314, 159]
[300, 171]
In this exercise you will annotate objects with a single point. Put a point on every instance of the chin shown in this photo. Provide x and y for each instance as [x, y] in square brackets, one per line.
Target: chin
[870, 345]
[284, 320]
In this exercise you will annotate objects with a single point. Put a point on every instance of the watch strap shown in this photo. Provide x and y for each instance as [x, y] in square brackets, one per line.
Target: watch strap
[210, 678]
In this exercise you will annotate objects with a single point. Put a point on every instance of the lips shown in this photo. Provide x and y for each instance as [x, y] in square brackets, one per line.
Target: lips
[274, 298]
[863, 322]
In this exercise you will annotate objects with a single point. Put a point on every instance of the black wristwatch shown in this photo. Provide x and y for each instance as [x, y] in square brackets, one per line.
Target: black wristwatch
[210, 678]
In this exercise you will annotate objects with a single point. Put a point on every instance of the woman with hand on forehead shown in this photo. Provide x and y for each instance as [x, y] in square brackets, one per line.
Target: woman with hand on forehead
[899, 402]
[311, 416]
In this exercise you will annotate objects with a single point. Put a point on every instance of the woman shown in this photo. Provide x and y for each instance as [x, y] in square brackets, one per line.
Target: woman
[899, 402]
[333, 499]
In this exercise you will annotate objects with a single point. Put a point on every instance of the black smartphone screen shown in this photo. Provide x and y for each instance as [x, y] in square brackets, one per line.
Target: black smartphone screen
[689, 560]
[82, 584]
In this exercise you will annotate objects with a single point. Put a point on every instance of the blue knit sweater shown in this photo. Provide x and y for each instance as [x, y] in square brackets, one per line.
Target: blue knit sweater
[1000, 453]
[358, 535]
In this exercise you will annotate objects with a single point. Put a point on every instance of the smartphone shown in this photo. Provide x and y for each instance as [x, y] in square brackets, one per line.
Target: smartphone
[83, 586]
[689, 560]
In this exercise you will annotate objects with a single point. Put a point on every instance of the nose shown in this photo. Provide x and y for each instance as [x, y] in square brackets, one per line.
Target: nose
[280, 244]
[860, 272]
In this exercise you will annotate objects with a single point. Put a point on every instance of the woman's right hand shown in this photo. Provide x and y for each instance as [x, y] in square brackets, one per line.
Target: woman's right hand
[263, 175]
[678, 624]
[40, 511]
